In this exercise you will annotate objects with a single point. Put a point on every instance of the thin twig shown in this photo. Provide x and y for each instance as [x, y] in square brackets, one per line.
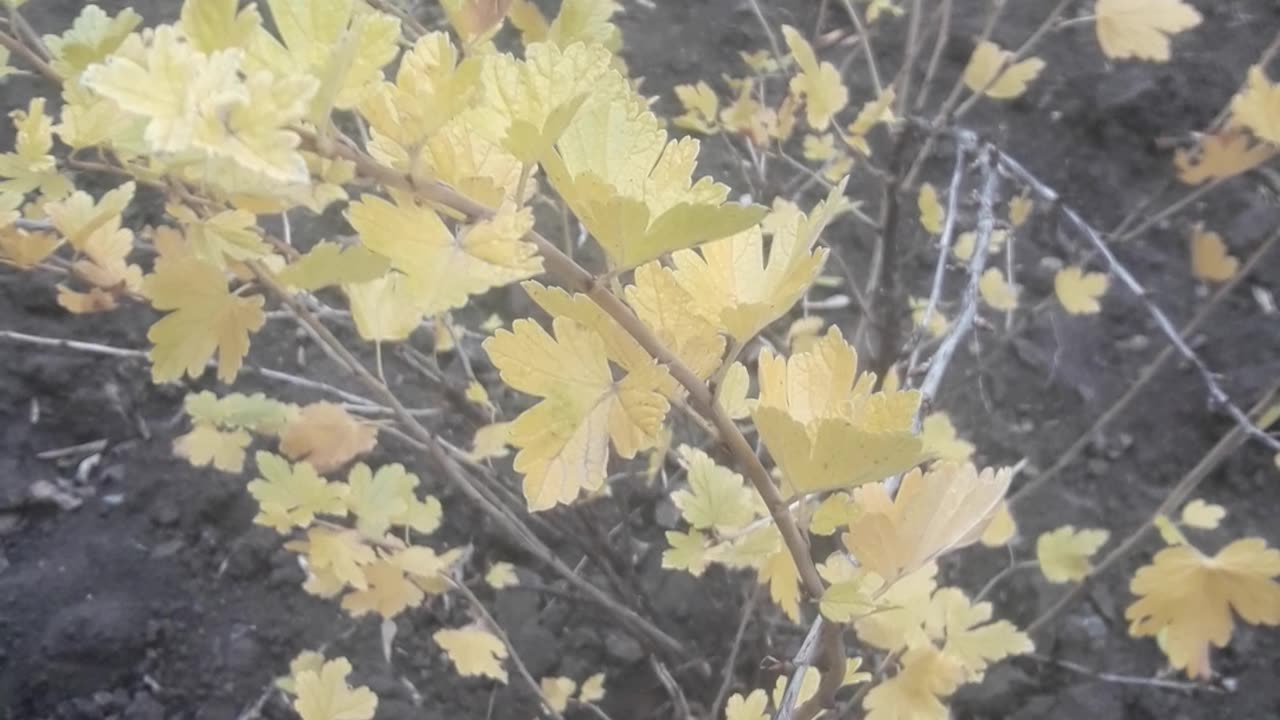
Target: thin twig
[19, 48]
[935, 60]
[512, 654]
[1128, 679]
[944, 252]
[1148, 373]
[1172, 208]
[909, 53]
[505, 519]
[359, 402]
[682, 711]
[1001, 576]
[1187, 485]
[1217, 396]
[872, 66]
[748, 610]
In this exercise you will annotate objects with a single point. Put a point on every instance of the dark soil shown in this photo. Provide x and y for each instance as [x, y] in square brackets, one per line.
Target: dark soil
[157, 598]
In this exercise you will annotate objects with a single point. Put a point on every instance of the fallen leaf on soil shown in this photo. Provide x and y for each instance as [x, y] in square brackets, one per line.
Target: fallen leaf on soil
[327, 436]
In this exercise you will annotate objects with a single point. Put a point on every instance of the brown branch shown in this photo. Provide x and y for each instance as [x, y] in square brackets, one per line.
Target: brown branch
[19, 48]
[575, 278]
[511, 524]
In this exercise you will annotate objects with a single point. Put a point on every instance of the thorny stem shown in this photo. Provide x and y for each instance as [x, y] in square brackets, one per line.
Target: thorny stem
[509, 523]
[1148, 372]
[512, 654]
[1128, 679]
[1187, 485]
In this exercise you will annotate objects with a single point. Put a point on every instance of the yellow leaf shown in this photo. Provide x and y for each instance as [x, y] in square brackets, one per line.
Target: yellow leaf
[933, 513]
[824, 427]
[476, 20]
[780, 571]
[441, 271]
[717, 497]
[592, 689]
[937, 322]
[915, 692]
[205, 318]
[1020, 208]
[820, 85]
[831, 514]
[305, 660]
[256, 412]
[326, 436]
[557, 691]
[91, 38]
[989, 68]
[1222, 155]
[903, 607]
[1202, 515]
[328, 263]
[932, 213]
[474, 651]
[619, 345]
[873, 112]
[207, 445]
[309, 32]
[380, 500]
[733, 391]
[26, 249]
[662, 303]
[631, 188]
[491, 441]
[388, 594]
[429, 571]
[749, 707]
[94, 229]
[85, 303]
[586, 21]
[941, 441]
[431, 88]
[1141, 28]
[967, 635]
[851, 599]
[733, 287]
[227, 236]
[502, 575]
[529, 20]
[31, 167]
[686, 551]
[1064, 553]
[1258, 107]
[967, 241]
[803, 334]
[324, 694]
[295, 494]
[564, 439]
[701, 108]
[1002, 528]
[819, 148]
[213, 25]
[996, 291]
[341, 554]
[1078, 291]
[1169, 531]
[1190, 597]
[1210, 260]
[384, 309]
[808, 686]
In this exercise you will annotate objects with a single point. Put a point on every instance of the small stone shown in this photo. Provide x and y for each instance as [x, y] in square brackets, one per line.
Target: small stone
[622, 647]
[1134, 343]
[1097, 467]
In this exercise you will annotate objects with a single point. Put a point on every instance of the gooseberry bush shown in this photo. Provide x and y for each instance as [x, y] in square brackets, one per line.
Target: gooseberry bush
[444, 145]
